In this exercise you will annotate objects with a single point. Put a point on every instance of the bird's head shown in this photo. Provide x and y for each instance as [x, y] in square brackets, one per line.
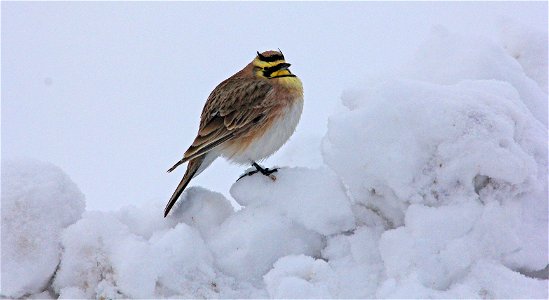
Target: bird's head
[271, 64]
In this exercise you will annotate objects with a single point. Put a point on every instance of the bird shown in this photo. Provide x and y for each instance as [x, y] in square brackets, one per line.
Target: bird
[246, 118]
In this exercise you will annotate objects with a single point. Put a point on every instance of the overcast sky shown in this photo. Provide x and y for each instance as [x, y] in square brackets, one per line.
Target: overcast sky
[112, 92]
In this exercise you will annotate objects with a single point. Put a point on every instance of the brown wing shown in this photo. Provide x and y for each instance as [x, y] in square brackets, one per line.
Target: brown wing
[233, 106]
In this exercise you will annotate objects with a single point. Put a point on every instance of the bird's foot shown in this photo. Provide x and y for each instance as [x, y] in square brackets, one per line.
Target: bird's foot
[265, 171]
[269, 173]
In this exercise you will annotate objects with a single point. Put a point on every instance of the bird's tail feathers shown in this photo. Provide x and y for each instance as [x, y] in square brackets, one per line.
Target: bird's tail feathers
[177, 165]
[192, 168]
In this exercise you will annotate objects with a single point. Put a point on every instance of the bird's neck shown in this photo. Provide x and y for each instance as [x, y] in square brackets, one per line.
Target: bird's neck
[292, 83]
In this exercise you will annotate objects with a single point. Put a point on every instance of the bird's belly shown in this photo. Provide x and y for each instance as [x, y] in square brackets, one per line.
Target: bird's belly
[272, 139]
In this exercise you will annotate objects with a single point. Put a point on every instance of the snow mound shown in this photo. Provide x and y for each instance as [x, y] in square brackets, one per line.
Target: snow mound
[204, 248]
[112, 262]
[287, 216]
[434, 186]
[435, 144]
[298, 276]
[315, 199]
[447, 58]
[455, 165]
[38, 202]
[528, 47]
[135, 253]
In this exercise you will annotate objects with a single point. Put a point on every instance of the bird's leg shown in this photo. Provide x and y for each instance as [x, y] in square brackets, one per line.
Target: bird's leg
[265, 171]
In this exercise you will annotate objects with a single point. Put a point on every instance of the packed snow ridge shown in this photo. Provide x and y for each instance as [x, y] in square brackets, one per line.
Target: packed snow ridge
[434, 185]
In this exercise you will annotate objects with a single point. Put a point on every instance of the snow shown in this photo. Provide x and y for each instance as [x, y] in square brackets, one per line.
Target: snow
[332, 215]
[38, 202]
[447, 58]
[433, 185]
[529, 47]
[298, 276]
[114, 262]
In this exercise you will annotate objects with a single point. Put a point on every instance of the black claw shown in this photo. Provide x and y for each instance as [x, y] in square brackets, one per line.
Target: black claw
[247, 174]
[265, 171]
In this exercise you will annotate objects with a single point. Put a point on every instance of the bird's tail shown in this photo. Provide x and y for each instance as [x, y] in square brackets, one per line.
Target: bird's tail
[176, 165]
[192, 168]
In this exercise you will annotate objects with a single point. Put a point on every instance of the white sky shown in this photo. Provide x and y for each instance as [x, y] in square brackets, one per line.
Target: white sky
[112, 92]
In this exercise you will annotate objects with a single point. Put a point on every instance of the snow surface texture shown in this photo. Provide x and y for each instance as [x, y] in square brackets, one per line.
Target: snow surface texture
[435, 185]
[38, 202]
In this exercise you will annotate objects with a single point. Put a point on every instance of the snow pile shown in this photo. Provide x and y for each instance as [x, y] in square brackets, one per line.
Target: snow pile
[448, 58]
[38, 202]
[456, 166]
[435, 185]
[203, 249]
[133, 253]
[529, 48]
[289, 216]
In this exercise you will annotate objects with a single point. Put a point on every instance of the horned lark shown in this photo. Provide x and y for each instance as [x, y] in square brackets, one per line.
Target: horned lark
[246, 118]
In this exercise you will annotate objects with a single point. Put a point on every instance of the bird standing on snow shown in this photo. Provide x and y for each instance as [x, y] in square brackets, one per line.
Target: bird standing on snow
[246, 118]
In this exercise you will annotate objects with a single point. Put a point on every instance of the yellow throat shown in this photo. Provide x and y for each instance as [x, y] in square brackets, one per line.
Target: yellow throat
[277, 70]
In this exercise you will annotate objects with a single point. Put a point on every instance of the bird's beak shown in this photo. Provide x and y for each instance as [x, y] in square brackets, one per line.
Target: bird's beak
[284, 66]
